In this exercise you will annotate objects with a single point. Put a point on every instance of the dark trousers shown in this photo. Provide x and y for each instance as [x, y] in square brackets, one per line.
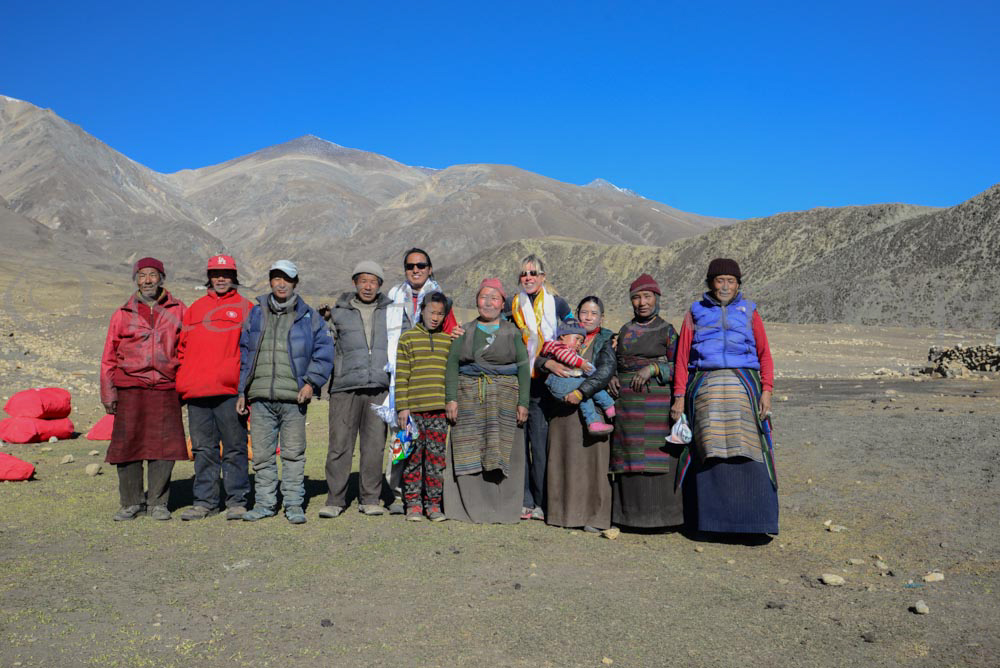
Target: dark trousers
[423, 473]
[130, 488]
[211, 421]
[351, 417]
[535, 447]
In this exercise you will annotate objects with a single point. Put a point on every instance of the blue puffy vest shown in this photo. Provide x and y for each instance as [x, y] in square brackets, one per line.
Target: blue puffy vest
[723, 335]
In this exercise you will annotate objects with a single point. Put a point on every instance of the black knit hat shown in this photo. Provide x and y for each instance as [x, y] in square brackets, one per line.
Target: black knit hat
[722, 266]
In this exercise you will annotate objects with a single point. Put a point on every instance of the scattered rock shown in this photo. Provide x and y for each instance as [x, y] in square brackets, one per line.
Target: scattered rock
[93, 453]
[772, 605]
[934, 576]
[93, 469]
[45, 449]
[881, 565]
[53, 439]
[827, 523]
[611, 533]
[517, 586]
[325, 623]
[534, 565]
[869, 636]
[831, 579]
[836, 528]
[783, 581]
[856, 562]
[699, 548]
[68, 459]
[606, 661]
[783, 397]
[920, 608]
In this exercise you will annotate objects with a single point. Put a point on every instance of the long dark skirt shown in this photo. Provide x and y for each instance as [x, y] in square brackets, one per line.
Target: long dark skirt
[646, 500]
[148, 425]
[735, 496]
[576, 477]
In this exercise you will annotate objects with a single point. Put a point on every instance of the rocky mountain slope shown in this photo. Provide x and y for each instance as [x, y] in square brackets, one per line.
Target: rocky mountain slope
[885, 264]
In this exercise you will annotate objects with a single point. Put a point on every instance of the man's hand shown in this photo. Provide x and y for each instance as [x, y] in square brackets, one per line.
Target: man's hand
[677, 409]
[110, 407]
[305, 394]
[765, 404]
[457, 332]
[522, 415]
[241, 405]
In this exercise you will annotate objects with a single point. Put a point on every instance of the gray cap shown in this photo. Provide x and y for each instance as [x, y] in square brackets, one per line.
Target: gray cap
[368, 267]
[287, 267]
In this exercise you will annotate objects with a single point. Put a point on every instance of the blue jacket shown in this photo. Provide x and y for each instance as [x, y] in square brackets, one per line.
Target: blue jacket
[723, 335]
[310, 346]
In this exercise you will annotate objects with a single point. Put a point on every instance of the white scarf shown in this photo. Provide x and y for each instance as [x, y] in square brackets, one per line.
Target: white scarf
[534, 335]
[401, 297]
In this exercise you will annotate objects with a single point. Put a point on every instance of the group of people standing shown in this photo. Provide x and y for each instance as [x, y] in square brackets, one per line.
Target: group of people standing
[525, 412]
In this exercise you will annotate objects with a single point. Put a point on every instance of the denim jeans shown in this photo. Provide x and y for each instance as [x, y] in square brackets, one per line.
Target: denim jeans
[560, 387]
[269, 421]
[212, 420]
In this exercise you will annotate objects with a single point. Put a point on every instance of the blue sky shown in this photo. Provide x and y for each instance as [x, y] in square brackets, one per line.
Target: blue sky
[730, 109]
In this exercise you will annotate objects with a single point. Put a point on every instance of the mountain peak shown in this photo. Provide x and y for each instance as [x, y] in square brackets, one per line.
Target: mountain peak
[603, 184]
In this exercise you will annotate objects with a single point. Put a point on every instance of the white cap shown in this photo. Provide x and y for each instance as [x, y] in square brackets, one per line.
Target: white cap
[286, 267]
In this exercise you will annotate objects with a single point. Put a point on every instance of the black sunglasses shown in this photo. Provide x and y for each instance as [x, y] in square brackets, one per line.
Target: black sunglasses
[410, 266]
[532, 273]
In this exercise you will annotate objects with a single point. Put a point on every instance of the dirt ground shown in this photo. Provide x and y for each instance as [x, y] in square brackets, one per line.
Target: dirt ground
[908, 467]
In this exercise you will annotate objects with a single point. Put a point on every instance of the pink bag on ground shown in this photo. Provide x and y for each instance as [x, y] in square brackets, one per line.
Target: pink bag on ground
[34, 430]
[40, 402]
[12, 468]
[102, 430]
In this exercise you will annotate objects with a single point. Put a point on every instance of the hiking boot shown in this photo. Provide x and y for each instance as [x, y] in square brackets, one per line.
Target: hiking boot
[414, 515]
[599, 428]
[371, 509]
[257, 514]
[128, 513]
[159, 513]
[538, 514]
[397, 507]
[295, 515]
[197, 513]
[436, 516]
[330, 511]
[236, 512]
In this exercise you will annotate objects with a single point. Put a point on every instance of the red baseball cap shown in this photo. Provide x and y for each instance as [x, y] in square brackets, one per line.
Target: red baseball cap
[224, 262]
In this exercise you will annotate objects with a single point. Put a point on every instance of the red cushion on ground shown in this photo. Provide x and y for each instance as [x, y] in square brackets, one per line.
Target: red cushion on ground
[34, 430]
[102, 430]
[12, 468]
[61, 429]
[40, 402]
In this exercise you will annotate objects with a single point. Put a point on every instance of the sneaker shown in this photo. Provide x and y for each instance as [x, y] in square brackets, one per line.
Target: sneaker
[257, 514]
[609, 412]
[236, 512]
[599, 428]
[330, 511]
[295, 515]
[197, 513]
[436, 516]
[397, 507]
[590, 529]
[128, 513]
[159, 513]
[526, 512]
[538, 514]
[371, 509]
[414, 515]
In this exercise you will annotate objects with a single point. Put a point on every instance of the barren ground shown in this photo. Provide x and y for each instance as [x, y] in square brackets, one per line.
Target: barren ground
[908, 466]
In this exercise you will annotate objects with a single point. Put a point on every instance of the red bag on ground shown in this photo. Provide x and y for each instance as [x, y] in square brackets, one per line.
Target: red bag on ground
[40, 402]
[102, 430]
[12, 468]
[33, 430]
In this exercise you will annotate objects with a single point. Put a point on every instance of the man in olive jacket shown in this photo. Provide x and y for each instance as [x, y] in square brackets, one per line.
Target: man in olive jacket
[360, 379]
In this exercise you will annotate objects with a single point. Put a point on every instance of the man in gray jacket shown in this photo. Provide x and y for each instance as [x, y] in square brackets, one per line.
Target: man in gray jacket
[360, 379]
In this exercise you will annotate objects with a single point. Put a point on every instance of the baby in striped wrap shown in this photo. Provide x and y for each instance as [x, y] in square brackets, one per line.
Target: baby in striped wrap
[565, 349]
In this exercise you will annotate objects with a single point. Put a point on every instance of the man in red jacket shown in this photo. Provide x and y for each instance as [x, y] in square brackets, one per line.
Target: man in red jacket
[208, 379]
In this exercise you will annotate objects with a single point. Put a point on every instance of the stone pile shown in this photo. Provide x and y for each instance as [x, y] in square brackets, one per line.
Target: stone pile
[951, 362]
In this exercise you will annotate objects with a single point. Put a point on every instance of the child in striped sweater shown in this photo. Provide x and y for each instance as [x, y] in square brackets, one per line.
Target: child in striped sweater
[421, 359]
[564, 349]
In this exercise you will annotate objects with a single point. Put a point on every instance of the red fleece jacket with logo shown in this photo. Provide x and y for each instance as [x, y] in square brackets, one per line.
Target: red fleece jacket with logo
[209, 348]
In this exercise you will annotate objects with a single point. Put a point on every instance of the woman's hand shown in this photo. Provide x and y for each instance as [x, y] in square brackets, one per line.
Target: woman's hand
[241, 405]
[558, 369]
[677, 409]
[614, 386]
[401, 418]
[572, 398]
[522, 415]
[641, 379]
[110, 407]
[765, 404]
[451, 411]
[457, 332]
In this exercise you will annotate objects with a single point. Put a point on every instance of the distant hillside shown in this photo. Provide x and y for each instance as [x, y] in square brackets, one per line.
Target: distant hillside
[882, 264]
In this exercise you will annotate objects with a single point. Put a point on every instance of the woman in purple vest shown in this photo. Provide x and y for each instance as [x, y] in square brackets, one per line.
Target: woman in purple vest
[723, 383]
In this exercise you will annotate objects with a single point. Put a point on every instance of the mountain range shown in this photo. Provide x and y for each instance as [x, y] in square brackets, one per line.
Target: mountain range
[65, 194]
